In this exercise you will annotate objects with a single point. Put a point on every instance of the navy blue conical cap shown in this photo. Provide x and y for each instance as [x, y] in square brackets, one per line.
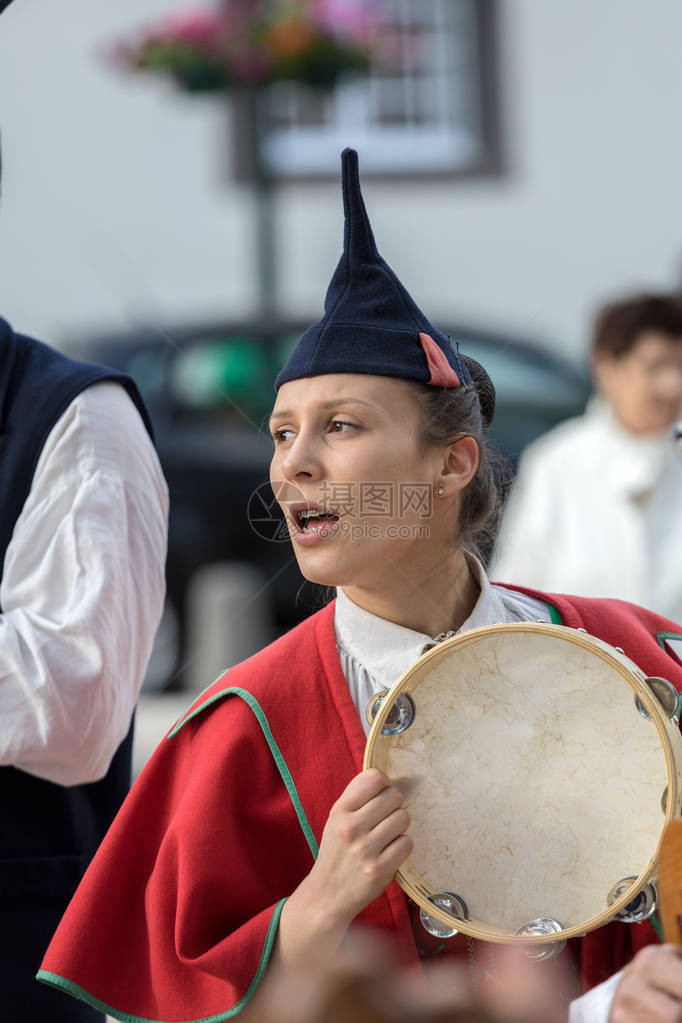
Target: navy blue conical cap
[371, 324]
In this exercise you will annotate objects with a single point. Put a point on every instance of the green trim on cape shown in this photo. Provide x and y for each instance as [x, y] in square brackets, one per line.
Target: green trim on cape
[656, 924]
[274, 750]
[661, 638]
[78, 992]
[553, 614]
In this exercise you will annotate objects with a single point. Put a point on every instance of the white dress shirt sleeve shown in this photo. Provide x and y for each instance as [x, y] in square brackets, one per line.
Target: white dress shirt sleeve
[82, 591]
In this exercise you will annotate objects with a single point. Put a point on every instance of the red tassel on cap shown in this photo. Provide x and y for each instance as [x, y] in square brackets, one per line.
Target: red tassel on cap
[442, 373]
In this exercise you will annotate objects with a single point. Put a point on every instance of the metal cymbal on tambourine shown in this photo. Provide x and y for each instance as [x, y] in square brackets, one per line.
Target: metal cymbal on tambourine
[533, 767]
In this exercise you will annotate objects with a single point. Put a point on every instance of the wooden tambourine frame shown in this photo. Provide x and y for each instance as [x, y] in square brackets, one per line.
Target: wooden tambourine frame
[378, 749]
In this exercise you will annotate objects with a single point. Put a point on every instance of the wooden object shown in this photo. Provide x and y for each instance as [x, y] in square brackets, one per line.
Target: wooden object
[670, 882]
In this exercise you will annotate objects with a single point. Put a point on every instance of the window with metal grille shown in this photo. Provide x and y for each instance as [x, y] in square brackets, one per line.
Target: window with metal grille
[431, 111]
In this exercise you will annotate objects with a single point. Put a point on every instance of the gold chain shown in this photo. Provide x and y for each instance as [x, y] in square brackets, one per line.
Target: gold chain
[471, 956]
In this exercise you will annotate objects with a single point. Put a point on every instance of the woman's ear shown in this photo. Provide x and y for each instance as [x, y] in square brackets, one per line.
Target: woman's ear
[460, 465]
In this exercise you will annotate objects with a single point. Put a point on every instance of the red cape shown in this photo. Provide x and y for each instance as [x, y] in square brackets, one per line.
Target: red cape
[175, 919]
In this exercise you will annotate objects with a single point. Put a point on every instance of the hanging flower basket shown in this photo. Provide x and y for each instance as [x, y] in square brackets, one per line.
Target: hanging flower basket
[253, 43]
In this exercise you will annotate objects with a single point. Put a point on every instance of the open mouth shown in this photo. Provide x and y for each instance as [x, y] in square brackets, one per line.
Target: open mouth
[314, 520]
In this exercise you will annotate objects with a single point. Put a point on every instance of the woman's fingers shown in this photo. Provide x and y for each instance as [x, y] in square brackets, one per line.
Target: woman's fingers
[368, 800]
[363, 844]
[395, 854]
[646, 1006]
[363, 821]
[386, 831]
[363, 787]
[369, 813]
[651, 987]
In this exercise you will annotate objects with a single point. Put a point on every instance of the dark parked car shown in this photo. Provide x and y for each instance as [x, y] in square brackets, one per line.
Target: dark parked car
[209, 390]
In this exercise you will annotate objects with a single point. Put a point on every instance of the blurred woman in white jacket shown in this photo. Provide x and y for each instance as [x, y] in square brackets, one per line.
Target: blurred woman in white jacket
[596, 508]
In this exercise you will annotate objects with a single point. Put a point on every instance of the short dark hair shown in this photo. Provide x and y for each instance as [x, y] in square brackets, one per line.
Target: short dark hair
[619, 325]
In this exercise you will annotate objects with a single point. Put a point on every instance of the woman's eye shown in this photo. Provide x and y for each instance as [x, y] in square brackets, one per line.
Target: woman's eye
[340, 426]
[279, 436]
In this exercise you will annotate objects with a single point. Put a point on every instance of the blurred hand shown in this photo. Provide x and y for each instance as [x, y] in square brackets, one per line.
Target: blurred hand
[650, 990]
[521, 990]
[365, 984]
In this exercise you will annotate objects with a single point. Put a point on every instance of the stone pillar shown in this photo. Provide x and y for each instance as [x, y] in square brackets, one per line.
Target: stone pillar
[229, 617]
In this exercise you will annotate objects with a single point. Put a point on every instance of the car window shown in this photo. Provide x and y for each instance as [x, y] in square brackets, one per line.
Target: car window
[521, 376]
[149, 372]
[534, 392]
[223, 380]
[283, 348]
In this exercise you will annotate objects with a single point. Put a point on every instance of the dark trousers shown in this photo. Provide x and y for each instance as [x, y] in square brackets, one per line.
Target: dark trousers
[26, 929]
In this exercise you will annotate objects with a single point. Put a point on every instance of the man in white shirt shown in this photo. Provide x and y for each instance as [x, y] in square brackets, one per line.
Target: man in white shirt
[595, 508]
[83, 530]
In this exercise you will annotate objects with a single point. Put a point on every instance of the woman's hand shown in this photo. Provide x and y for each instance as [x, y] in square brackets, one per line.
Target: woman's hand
[650, 990]
[363, 844]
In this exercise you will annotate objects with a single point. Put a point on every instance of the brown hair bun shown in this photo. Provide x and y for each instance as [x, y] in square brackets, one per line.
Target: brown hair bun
[485, 389]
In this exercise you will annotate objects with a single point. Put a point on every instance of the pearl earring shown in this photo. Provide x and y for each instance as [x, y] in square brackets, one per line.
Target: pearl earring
[440, 491]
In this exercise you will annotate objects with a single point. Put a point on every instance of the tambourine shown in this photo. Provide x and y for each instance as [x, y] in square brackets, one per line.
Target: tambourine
[539, 766]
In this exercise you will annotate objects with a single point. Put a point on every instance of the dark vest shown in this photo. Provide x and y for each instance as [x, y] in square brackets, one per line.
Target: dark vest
[49, 832]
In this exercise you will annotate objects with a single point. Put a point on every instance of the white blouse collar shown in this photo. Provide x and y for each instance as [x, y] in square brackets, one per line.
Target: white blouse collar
[379, 644]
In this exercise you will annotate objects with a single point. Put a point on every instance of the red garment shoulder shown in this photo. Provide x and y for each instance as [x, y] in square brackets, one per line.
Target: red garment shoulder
[176, 916]
[598, 614]
[298, 654]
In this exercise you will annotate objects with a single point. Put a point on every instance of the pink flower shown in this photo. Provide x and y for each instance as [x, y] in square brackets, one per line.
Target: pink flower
[357, 19]
[195, 26]
[255, 41]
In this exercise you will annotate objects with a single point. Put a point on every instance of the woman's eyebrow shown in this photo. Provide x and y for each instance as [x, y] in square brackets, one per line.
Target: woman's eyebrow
[334, 402]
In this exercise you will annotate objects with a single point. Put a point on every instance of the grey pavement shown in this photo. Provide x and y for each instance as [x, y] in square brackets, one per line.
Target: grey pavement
[156, 714]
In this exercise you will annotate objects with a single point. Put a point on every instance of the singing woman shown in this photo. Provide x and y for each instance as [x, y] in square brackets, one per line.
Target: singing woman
[253, 837]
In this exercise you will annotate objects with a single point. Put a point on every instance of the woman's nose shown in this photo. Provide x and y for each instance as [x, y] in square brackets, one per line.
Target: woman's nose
[301, 461]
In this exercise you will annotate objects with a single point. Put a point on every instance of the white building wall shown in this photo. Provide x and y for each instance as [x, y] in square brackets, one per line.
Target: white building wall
[117, 205]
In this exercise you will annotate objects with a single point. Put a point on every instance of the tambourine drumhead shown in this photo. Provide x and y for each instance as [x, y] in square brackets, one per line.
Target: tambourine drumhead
[533, 781]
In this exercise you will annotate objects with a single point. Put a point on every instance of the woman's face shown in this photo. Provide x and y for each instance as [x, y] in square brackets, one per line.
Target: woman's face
[347, 447]
[644, 386]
